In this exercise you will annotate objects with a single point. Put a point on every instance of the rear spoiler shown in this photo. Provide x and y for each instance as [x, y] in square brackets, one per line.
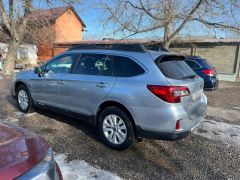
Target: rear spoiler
[169, 57]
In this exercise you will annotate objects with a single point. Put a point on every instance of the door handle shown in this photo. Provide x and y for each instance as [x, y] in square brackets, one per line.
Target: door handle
[101, 85]
[61, 82]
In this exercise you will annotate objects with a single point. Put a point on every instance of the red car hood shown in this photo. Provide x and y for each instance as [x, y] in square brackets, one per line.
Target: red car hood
[20, 150]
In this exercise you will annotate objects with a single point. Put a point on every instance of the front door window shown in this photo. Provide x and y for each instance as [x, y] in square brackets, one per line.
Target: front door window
[62, 64]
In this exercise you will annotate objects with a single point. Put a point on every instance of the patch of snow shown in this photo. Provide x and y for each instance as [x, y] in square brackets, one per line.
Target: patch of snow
[219, 131]
[237, 108]
[20, 114]
[10, 120]
[30, 114]
[231, 115]
[81, 170]
[13, 120]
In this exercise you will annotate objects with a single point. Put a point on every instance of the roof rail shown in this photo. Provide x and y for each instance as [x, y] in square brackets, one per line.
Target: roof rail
[134, 47]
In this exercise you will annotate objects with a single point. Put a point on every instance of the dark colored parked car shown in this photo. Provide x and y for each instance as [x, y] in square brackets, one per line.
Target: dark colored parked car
[205, 70]
[25, 155]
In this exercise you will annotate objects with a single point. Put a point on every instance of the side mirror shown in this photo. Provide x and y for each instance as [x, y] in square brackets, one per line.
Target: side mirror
[38, 70]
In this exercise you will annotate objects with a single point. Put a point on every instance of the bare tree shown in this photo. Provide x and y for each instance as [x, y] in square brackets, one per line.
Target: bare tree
[14, 27]
[17, 24]
[170, 17]
[40, 31]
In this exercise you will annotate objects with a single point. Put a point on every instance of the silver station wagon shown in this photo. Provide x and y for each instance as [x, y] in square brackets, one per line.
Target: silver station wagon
[125, 90]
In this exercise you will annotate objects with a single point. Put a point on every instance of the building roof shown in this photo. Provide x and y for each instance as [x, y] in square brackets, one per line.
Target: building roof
[148, 41]
[52, 14]
[125, 41]
[213, 40]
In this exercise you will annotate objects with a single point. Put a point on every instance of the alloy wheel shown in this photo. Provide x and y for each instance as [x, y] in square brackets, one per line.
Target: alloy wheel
[23, 99]
[114, 129]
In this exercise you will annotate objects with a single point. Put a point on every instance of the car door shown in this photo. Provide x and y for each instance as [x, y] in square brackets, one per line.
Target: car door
[46, 88]
[91, 81]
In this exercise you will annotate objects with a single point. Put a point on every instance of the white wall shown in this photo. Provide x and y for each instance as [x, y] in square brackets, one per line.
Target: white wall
[27, 52]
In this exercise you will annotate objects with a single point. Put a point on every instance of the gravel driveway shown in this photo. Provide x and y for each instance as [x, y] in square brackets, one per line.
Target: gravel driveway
[211, 152]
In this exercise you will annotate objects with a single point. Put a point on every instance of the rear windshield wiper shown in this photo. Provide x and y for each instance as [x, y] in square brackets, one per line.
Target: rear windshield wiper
[189, 76]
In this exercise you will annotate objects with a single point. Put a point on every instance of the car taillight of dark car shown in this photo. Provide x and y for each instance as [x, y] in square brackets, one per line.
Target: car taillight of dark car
[209, 72]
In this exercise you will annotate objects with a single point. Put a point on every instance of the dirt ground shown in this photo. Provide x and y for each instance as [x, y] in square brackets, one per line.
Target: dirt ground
[195, 157]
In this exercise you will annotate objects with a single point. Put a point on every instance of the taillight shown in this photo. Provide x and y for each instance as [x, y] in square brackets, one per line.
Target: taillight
[209, 72]
[171, 94]
[177, 127]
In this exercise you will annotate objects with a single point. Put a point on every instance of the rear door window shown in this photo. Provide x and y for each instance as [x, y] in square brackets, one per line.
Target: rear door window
[94, 64]
[174, 68]
[126, 67]
[193, 64]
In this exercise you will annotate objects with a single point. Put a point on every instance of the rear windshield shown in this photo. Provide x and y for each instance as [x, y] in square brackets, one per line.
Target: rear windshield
[174, 68]
[205, 64]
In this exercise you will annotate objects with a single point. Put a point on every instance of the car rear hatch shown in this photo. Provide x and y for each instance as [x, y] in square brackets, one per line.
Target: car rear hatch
[179, 74]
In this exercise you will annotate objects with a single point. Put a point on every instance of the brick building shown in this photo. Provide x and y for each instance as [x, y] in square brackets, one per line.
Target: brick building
[57, 25]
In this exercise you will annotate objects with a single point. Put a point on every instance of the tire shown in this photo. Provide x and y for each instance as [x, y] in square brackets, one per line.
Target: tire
[23, 95]
[115, 129]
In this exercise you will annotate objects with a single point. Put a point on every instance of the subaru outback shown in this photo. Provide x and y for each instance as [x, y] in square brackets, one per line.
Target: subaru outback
[125, 90]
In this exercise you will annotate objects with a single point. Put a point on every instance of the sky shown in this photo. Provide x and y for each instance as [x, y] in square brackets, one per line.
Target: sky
[93, 18]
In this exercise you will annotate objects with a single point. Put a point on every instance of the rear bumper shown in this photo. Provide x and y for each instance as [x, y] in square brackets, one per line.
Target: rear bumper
[210, 84]
[161, 124]
[211, 89]
[161, 136]
[168, 136]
